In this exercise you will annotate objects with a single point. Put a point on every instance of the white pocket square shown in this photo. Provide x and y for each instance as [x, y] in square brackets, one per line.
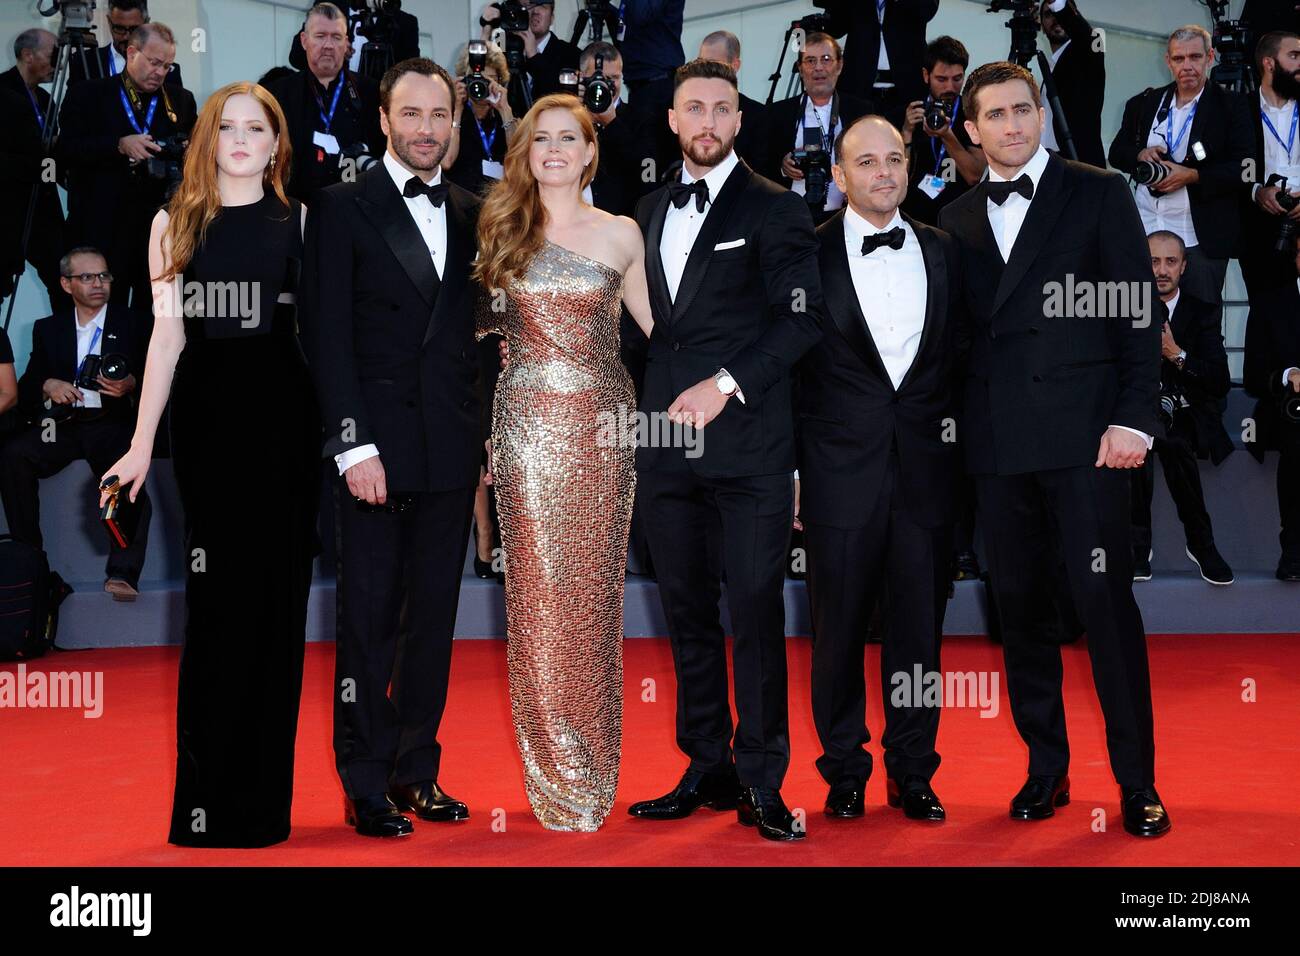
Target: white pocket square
[734, 243]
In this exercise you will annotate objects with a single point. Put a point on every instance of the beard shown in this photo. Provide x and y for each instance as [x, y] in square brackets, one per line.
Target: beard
[703, 155]
[402, 147]
[1287, 85]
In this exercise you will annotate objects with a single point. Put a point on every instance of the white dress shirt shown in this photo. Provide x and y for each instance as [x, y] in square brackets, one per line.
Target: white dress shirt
[1276, 157]
[86, 335]
[891, 285]
[820, 116]
[882, 61]
[1171, 211]
[1007, 219]
[431, 220]
[119, 61]
[1173, 303]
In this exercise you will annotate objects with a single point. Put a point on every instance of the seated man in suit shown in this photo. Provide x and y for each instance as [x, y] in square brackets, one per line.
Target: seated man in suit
[1194, 383]
[879, 469]
[800, 132]
[124, 17]
[86, 363]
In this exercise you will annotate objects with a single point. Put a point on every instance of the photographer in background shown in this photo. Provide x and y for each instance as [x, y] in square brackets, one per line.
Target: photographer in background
[546, 54]
[332, 113]
[1184, 145]
[1270, 213]
[124, 16]
[85, 367]
[121, 144]
[722, 46]
[884, 44]
[621, 140]
[404, 39]
[480, 134]
[943, 163]
[23, 105]
[801, 131]
[1272, 375]
[1079, 68]
[1194, 383]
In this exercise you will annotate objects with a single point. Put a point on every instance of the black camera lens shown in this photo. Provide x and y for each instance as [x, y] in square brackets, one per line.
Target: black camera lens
[113, 367]
[477, 87]
[937, 115]
[1149, 173]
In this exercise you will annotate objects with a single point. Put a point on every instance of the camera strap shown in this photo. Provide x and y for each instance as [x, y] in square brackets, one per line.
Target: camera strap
[1290, 141]
[328, 118]
[486, 140]
[40, 117]
[828, 142]
[1172, 143]
[130, 112]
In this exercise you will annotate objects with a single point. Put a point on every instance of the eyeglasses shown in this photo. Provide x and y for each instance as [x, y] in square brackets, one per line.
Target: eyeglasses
[89, 277]
[118, 31]
[810, 61]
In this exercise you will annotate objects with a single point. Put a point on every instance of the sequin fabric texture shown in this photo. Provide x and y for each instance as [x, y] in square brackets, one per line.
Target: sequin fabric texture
[564, 499]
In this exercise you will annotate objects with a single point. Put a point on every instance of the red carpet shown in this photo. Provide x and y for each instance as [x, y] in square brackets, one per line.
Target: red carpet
[95, 792]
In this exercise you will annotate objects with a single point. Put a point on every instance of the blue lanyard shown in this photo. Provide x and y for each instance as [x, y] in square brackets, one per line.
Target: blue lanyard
[130, 113]
[329, 120]
[880, 10]
[94, 340]
[1169, 128]
[942, 150]
[112, 63]
[40, 117]
[487, 141]
[1290, 140]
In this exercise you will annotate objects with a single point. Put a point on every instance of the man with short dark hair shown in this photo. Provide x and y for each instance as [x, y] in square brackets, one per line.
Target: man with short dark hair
[124, 17]
[112, 133]
[79, 413]
[1060, 401]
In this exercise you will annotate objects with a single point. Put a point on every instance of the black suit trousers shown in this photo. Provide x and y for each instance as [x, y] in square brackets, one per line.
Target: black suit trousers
[848, 568]
[1183, 477]
[398, 589]
[755, 514]
[1090, 508]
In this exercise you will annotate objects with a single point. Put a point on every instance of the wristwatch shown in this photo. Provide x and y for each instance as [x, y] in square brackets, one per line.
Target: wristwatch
[726, 384]
[1180, 358]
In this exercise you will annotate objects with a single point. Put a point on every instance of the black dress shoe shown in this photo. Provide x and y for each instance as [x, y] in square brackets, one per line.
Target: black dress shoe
[916, 798]
[694, 790]
[1142, 565]
[1288, 569]
[762, 807]
[965, 566]
[1144, 814]
[1039, 798]
[428, 801]
[845, 799]
[376, 816]
[1214, 570]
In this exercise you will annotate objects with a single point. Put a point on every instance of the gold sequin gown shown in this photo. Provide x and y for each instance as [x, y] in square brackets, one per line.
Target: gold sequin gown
[564, 498]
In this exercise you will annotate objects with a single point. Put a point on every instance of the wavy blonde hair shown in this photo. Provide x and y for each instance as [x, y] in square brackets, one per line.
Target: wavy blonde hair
[512, 222]
[197, 201]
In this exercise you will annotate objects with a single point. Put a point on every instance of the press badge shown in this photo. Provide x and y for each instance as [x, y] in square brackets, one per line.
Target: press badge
[1198, 151]
[325, 141]
[932, 186]
[493, 170]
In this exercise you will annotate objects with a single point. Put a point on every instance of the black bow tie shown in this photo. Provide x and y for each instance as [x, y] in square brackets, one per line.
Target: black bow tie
[679, 193]
[894, 238]
[999, 191]
[415, 186]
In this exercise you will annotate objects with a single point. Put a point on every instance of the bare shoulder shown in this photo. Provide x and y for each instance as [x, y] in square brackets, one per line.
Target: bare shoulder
[625, 235]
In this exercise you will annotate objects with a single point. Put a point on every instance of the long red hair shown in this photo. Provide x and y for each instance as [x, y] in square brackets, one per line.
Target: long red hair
[512, 221]
[196, 201]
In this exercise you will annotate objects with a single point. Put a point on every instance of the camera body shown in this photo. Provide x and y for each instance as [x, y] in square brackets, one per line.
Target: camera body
[1150, 173]
[358, 154]
[168, 164]
[598, 91]
[1171, 399]
[514, 16]
[939, 114]
[112, 366]
[814, 161]
[1286, 232]
[477, 86]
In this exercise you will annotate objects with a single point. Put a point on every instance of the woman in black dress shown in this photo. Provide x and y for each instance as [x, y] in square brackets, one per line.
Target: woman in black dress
[245, 438]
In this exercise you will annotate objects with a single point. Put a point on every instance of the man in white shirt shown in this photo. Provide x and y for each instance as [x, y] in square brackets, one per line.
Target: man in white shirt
[879, 470]
[1060, 401]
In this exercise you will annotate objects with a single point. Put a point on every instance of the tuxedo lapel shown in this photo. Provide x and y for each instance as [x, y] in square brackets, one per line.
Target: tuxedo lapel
[1044, 210]
[660, 301]
[985, 264]
[698, 261]
[936, 292]
[456, 269]
[842, 303]
[384, 206]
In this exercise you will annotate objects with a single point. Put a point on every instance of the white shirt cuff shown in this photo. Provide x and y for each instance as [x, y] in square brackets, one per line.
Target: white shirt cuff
[1254, 190]
[1143, 435]
[796, 474]
[1287, 375]
[352, 456]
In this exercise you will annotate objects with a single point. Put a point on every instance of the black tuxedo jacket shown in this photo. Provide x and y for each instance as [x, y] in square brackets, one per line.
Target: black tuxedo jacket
[905, 25]
[1222, 126]
[77, 73]
[1043, 387]
[54, 355]
[391, 347]
[21, 167]
[622, 144]
[101, 182]
[1204, 378]
[849, 412]
[753, 308]
[545, 67]
[1080, 76]
[781, 119]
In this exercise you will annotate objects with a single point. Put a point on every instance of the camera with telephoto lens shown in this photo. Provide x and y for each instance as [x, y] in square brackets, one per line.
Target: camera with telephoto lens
[78, 15]
[168, 164]
[1149, 172]
[1286, 232]
[513, 16]
[357, 154]
[598, 91]
[477, 86]
[1291, 407]
[814, 161]
[112, 367]
[938, 114]
[1171, 399]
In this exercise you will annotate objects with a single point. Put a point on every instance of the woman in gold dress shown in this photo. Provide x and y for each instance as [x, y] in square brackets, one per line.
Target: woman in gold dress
[555, 270]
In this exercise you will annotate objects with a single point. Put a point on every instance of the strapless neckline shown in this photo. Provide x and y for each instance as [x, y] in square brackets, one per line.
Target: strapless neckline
[578, 255]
